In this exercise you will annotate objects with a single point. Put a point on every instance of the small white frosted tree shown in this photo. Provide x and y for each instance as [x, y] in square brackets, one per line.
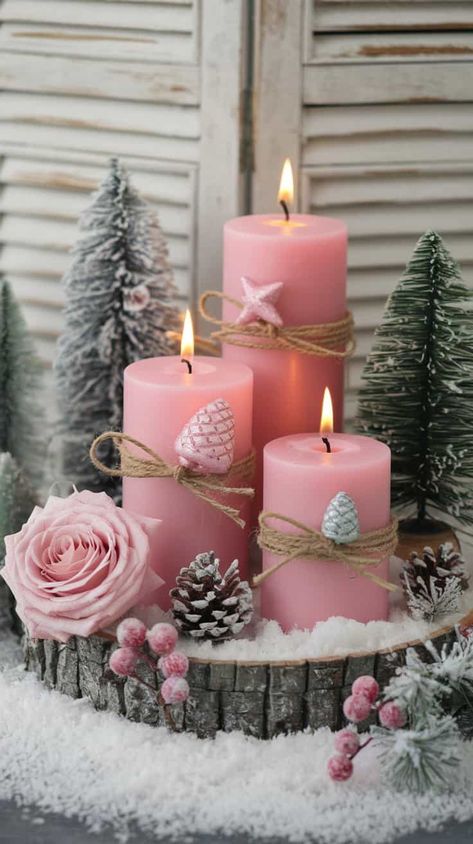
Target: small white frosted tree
[21, 440]
[120, 304]
[20, 370]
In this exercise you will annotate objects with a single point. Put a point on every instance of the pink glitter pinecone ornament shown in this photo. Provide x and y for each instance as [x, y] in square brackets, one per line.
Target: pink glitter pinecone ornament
[205, 445]
[340, 767]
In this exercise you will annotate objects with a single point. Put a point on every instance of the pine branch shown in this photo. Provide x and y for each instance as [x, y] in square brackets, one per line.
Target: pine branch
[421, 759]
[120, 303]
[417, 394]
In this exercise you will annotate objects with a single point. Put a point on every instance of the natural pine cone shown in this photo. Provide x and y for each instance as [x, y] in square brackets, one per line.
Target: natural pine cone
[207, 605]
[434, 582]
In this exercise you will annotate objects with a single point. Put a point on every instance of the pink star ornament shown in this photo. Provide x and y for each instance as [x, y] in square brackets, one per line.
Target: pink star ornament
[259, 302]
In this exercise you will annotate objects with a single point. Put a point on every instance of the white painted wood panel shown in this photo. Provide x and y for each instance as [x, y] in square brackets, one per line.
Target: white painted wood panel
[384, 128]
[83, 80]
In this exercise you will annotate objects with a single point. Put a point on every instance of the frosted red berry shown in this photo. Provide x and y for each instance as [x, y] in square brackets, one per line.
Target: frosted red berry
[391, 715]
[340, 767]
[175, 690]
[123, 661]
[366, 686]
[131, 633]
[346, 742]
[175, 664]
[162, 638]
[356, 708]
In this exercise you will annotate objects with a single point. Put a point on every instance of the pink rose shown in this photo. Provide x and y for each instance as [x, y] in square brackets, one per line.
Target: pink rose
[78, 564]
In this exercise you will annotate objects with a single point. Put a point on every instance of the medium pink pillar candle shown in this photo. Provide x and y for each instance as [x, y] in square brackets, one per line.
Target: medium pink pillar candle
[308, 254]
[160, 397]
[300, 480]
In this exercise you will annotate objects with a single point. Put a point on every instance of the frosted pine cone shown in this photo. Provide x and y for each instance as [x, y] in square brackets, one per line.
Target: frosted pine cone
[433, 583]
[206, 605]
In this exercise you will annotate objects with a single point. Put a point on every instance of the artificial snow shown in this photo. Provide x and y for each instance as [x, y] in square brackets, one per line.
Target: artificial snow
[61, 756]
[264, 640]
[335, 637]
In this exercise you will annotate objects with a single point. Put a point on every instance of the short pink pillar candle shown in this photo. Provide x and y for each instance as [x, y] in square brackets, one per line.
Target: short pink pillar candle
[309, 255]
[160, 397]
[300, 480]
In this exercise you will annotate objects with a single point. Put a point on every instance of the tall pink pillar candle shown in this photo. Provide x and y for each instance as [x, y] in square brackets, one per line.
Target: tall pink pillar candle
[307, 254]
[300, 480]
[160, 397]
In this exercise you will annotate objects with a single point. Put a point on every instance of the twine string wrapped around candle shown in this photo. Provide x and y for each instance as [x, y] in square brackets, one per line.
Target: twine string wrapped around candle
[205, 487]
[322, 340]
[308, 544]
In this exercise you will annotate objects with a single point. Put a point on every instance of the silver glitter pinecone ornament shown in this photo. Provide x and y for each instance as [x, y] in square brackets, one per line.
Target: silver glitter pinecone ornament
[207, 605]
[340, 522]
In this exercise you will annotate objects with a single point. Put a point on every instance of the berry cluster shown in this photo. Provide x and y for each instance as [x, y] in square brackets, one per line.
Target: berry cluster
[138, 644]
[357, 707]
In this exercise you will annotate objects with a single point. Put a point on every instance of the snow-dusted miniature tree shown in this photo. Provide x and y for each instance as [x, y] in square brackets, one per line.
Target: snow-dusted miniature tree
[20, 415]
[16, 499]
[21, 440]
[120, 302]
[417, 395]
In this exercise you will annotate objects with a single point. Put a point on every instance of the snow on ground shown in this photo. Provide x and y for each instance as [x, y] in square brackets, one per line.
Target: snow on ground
[60, 755]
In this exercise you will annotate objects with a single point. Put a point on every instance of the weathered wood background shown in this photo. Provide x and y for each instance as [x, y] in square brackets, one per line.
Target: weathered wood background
[260, 699]
[204, 98]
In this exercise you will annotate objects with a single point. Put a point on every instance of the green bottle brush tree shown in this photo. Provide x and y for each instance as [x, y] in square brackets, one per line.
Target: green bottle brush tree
[417, 393]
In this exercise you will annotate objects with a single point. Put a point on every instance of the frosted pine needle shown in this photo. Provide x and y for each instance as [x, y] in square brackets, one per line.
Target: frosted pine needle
[417, 393]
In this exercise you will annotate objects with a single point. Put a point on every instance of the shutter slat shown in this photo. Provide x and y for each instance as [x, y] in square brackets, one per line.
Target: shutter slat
[379, 15]
[162, 16]
[95, 79]
[416, 82]
[378, 47]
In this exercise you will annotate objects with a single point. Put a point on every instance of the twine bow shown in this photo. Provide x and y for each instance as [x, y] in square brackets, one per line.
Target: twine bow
[153, 466]
[322, 340]
[307, 544]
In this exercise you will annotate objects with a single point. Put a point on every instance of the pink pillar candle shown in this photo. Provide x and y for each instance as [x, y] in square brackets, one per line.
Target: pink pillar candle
[300, 480]
[160, 397]
[307, 254]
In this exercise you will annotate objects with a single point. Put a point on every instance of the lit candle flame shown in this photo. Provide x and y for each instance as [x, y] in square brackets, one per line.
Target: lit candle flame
[187, 340]
[326, 419]
[286, 185]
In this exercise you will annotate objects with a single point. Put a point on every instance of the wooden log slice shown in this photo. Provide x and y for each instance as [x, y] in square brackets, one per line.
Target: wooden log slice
[263, 699]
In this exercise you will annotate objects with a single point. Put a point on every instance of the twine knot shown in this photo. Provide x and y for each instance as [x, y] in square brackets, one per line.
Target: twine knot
[178, 473]
[206, 487]
[365, 552]
[330, 339]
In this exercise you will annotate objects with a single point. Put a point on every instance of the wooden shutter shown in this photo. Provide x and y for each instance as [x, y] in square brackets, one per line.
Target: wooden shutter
[156, 82]
[379, 120]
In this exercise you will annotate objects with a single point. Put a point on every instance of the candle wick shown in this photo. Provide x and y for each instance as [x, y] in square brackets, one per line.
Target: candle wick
[327, 445]
[283, 203]
[188, 364]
